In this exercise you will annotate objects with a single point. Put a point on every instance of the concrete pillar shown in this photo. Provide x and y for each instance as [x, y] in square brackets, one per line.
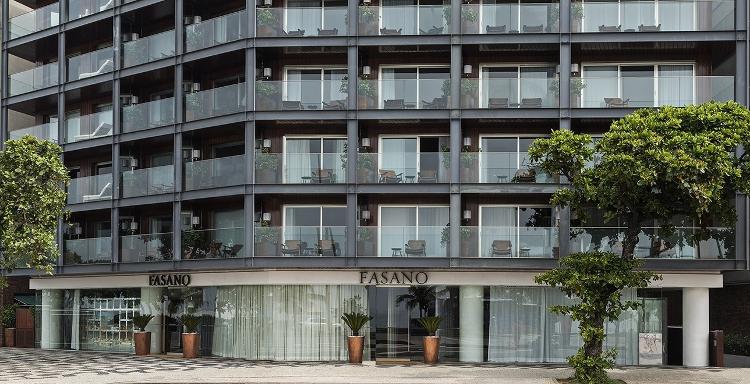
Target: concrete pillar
[151, 305]
[52, 305]
[471, 324]
[695, 327]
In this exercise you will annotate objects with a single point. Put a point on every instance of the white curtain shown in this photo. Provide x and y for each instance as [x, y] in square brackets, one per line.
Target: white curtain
[400, 156]
[285, 322]
[676, 85]
[400, 14]
[398, 225]
[678, 15]
[598, 13]
[601, 82]
[302, 157]
[498, 223]
[305, 15]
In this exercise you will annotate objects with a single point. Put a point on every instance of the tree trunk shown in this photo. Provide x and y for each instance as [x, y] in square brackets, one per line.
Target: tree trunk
[631, 236]
[594, 347]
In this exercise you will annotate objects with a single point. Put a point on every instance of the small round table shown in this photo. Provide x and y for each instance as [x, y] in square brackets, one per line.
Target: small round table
[525, 252]
[396, 252]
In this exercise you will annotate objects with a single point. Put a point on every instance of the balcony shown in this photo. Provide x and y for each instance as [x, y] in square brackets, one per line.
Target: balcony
[152, 114]
[146, 247]
[97, 250]
[500, 168]
[34, 21]
[90, 189]
[501, 93]
[215, 102]
[148, 49]
[404, 168]
[526, 242]
[87, 127]
[90, 64]
[148, 181]
[213, 243]
[215, 173]
[82, 8]
[512, 18]
[403, 94]
[295, 95]
[33, 79]
[403, 241]
[300, 168]
[651, 91]
[46, 131]
[653, 16]
[713, 243]
[301, 21]
[216, 31]
[300, 241]
[404, 20]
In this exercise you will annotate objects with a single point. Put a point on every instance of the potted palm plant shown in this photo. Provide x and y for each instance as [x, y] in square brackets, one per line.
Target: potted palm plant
[191, 340]
[8, 320]
[356, 343]
[142, 337]
[431, 342]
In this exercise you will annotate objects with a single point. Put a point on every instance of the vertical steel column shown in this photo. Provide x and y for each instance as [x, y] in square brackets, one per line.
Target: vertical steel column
[351, 191]
[249, 198]
[455, 189]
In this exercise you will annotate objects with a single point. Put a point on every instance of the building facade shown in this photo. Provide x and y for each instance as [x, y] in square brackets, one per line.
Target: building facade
[271, 166]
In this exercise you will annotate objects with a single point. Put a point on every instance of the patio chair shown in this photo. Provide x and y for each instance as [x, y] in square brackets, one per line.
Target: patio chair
[527, 175]
[335, 105]
[533, 28]
[616, 102]
[232, 251]
[103, 129]
[291, 105]
[323, 176]
[298, 32]
[497, 102]
[214, 248]
[501, 248]
[328, 32]
[649, 28]
[436, 103]
[388, 176]
[387, 31]
[394, 104]
[293, 247]
[415, 248]
[533, 102]
[327, 247]
[496, 29]
[104, 194]
[105, 67]
[432, 31]
[428, 176]
[610, 28]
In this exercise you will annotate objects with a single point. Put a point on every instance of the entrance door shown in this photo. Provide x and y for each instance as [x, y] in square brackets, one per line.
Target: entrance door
[178, 301]
[395, 327]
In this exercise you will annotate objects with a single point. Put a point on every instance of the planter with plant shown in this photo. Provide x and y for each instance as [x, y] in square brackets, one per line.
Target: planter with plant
[470, 18]
[267, 22]
[266, 167]
[266, 240]
[431, 342]
[576, 87]
[8, 320]
[356, 342]
[469, 166]
[268, 95]
[469, 93]
[367, 93]
[368, 25]
[366, 241]
[366, 163]
[141, 337]
[191, 340]
[576, 16]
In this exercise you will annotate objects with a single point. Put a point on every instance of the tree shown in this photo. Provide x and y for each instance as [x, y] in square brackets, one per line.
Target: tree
[418, 297]
[32, 198]
[596, 281]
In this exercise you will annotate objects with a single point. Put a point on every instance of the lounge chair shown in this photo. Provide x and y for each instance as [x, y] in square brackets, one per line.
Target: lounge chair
[298, 32]
[293, 247]
[337, 105]
[327, 248]
[432, 31]
[533, 28]
[496, 29]
[293, 105]
[106, 66]
[649, 28]
[616, 102]
[497, 102]
[386, 31]
[104, 129]
[525, 175]
[415, 248]
[105, 194]
[501, 248]
[436, 103]
[533, 102]
[428, 176]
[328, 32]
[388, 176]
[394, 104]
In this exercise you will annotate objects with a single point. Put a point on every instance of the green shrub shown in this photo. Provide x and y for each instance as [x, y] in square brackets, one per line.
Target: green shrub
[355, 321]
[736, 344]
[190, 322]
[141, 321]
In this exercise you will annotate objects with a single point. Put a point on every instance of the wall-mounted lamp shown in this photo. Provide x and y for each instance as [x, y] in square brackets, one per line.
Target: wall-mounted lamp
[365, 2]
[467, 69]
[467, 141]
[266, 217]
[195, 221]
[266, 143]
[366, 71]
[467, 214]
[365, 142]
[196, 154]
[365, 215]
[574, 69]
[267, 72]
[267, 3]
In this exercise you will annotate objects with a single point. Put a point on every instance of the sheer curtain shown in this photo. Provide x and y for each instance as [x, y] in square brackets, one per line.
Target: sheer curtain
[285, 322]
[400, 155]
[397, 225]
[601, 82]
[432, 223]
[676, 85]
[498, 223]
[400, 14]
[301, 158]
[303, 14]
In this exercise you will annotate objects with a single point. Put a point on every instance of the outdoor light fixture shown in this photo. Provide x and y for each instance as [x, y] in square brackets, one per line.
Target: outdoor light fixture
[267, 73]
[266, 217]
[365, 215]
[196, 154]
[467, 214]
[467, 141]
[574, 68]
[467, 69]
[365, 70]
[133, 226]
[557, 68]
[195, 220]
[266, 143]
[267, 3]
[366, 142]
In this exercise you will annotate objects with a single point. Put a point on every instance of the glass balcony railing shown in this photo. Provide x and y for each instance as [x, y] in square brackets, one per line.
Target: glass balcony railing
[492, 241]
[89, 189]
[404, 94]
[90, 64]
[300, 168]
[683, 243]
[32, 79]
[408, 168]
[300, 241]
[46, 131]
[148, 181]
[96, 250]
[82, 8]
[34, 21]
[294, 95]
[215, 173]
[404, 20]
[510, 93]
[511, 18]
[146, 247]
[148, 49]
[213, 243]
[216, 31]
[152, 114]
[652, 16]
[215, 102]
[403, 241]
[651, 91]
[86, 127]
[501, 167]
[301, 21]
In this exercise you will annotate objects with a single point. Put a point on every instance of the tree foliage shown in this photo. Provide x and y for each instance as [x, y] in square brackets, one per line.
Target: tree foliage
[596, 281]
[655, 165]
[32, 198]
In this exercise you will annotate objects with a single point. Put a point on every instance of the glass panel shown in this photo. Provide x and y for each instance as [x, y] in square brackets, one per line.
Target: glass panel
[147, 115]
[91, 126]
[399, 158]
[82, 8]
[601, 84]
[87, 251]
[498, 159]
[148, 49]
[90, 64]
[638, 85]
[676, 85]
[214, 173]
[219, 30]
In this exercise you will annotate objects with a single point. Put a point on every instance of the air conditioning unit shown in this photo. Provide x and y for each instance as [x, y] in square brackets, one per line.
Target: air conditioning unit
[190, 20]
[126, 100]
[132, 36]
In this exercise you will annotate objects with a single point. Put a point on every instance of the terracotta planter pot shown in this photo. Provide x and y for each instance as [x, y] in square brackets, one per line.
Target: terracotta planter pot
[10, 337]
[142, 343]
[190, 344]
[431, 349]
[356, 349]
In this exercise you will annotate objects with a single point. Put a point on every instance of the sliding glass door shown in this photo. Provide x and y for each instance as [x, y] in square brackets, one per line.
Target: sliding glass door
[314, 16]
[418, 159]
[506, 160]
[414, 87]
[315, 230]
[516, 86]
[515, 231]
[314, 160]
[413, 230]
[639, 16]
[638, 85]
[314, 88]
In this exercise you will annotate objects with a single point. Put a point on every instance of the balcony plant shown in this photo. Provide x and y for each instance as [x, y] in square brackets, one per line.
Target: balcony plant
[368, 26]
[355, 343]
[431, 342]
[366, 167]
[266, 167]
[469, 166]
[141, 337]
[8, 320]
[266, 240]
[576, 87]
[367, 93]
[190, 338]
[194, 37]
[268, 95]
[469, 93]
[366, 241]
[469, 18]
[576, 16]
[267, 21]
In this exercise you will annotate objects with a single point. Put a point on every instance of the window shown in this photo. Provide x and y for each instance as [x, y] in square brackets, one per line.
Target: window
[639, 16]
[638, 85]
[314, 160]
[316, 230]
[506, 160]
[414, 87]
[516, 231]
[516, 86]
[416, 230]
[315, 88]
[420, 159]
[317, 17]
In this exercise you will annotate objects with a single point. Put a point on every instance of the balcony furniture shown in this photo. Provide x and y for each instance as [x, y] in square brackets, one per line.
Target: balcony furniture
[415, 248]
[293, 33]
[409, 179]
[306, 179]
[388, 176]
[396, 252]
[496, 29]
[323, 176]
[105, 67]
[527, 175]
[610, 28]
[189, 253]
[394, 104]
[649, 28]
[501, 248]
[232, 251]
[616, 102]
[436, 103]
[214, 249]
[386, 31]
[432, 31]
[533, 28]
[327, 247]
[497, 102]
[524, 252]
[328, 32]
[337, 105]
[293, 247]
[427, 176]
[534, 102]
[501, 178]
[104, 194]
[293, 105]
[104, 129]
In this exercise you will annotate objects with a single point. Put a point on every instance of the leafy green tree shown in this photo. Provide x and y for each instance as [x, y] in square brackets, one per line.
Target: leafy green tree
[418, 297]
[32, 198]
